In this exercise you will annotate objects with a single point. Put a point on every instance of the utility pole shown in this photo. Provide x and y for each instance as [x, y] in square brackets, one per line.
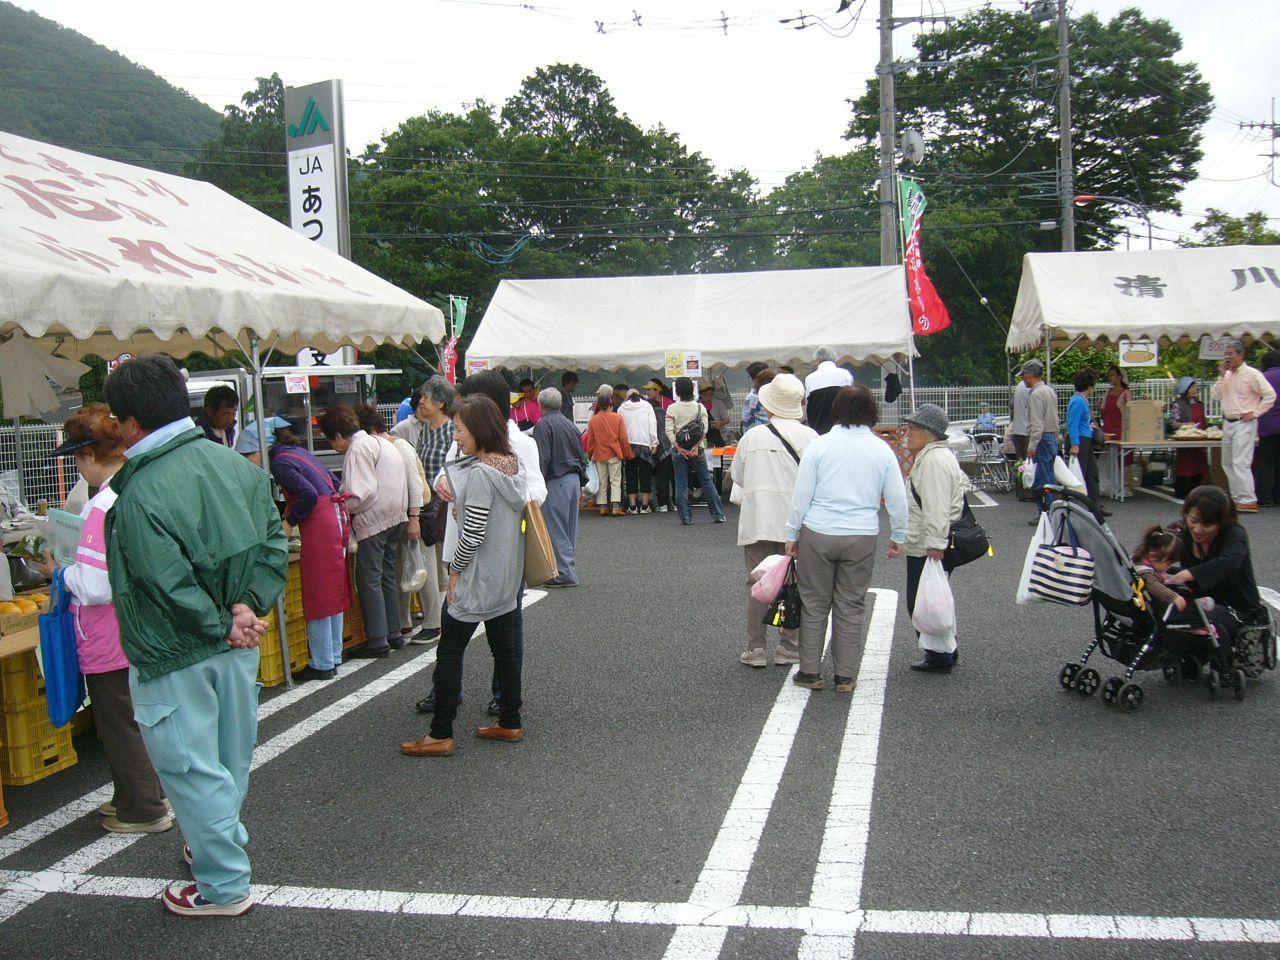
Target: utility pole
[1274, 129]
[885, 70]
[1066, 172]
[888, 177]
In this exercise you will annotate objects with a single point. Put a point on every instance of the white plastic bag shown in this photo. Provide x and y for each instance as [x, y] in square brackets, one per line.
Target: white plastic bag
[1077, 471]
[770, 574]
[1063, 476]
[1043, 534]
[593, 480]
[935, 610]
[413, 567]
[1027, 473]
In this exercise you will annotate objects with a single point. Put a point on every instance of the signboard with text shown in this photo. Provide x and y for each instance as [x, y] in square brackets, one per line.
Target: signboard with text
[317, 164]
[1138, 353]
[684, 363]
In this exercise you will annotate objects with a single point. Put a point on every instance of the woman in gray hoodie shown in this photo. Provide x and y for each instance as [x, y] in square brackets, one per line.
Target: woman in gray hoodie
[485, 575]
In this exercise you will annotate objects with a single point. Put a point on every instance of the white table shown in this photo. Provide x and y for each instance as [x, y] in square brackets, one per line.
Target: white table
[1116, 462]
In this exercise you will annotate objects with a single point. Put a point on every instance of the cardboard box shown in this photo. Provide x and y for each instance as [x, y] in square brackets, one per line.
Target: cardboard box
[1143, 422]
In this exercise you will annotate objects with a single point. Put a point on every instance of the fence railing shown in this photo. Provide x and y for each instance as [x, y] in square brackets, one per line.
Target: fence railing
[50, 478]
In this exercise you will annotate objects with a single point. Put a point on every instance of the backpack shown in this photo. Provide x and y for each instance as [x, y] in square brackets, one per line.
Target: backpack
[690, 435]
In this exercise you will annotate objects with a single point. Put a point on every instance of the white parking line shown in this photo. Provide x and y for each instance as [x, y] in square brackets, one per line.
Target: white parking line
[724, 874]
[825, 930]
[983, 498]
[69, 813]
[837, 881]
[102, 849]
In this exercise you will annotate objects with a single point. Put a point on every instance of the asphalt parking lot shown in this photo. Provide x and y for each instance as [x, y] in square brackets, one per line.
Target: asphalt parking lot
[671, 802]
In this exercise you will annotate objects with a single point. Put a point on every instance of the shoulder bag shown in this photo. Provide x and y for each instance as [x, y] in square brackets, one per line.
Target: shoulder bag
[539, 553]
[64, 683]
[1062, 572]
[966, 540]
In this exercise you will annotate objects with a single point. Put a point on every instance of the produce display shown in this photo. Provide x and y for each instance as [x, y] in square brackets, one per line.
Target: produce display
[1189, 431]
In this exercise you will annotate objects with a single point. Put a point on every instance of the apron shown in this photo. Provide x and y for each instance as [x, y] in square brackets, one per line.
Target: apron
[326, 585]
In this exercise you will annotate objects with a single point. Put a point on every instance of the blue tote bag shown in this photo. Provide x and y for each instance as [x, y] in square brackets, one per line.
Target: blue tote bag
[64, 684]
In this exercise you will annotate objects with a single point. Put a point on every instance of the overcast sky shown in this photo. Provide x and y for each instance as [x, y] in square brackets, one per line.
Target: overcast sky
[762, 96]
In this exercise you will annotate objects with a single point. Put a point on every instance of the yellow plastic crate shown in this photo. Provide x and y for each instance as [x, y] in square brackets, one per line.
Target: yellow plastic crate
[31, 747]
[82, 721]
[4, 814]
[21, 682]
[271, 668]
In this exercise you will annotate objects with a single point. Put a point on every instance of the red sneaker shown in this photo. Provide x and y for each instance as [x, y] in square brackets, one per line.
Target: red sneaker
[184, 899]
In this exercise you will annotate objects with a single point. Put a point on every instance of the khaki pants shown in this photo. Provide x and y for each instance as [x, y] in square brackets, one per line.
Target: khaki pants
[833, 574]
[1238, 441]
[755, 553]
[610, 481]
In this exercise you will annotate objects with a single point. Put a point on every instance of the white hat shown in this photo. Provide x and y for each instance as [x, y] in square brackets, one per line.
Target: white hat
[783, 397]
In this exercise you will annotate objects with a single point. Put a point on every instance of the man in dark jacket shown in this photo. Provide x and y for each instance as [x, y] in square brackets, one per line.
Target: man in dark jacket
[196, 555]
[563, 465]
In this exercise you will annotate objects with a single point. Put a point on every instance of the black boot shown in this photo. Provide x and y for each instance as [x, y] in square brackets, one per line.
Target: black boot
[933, 662]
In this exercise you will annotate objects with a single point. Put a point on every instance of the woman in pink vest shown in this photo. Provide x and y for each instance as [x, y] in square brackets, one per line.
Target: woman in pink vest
[138, 804]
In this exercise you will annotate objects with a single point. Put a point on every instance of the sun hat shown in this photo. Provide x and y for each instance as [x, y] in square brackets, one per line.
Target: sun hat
[71, 446]
[931, 417]
[247, 441]
[1183, 385]
[782, 397]
[653, 385]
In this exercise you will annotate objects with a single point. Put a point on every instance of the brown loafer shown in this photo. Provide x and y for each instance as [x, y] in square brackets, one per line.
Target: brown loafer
[427, 747]
[495, 732]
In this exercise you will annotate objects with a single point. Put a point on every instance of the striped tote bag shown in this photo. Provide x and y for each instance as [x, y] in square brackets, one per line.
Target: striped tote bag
[1062, 572]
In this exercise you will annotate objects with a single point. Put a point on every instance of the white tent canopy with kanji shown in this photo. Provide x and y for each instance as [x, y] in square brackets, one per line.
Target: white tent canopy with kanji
[1170, 294]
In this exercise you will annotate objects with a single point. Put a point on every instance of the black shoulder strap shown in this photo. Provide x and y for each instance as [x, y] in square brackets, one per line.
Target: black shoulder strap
[790, 449]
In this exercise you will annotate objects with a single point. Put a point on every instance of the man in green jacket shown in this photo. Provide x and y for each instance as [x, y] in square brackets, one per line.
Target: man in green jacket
[196, 555]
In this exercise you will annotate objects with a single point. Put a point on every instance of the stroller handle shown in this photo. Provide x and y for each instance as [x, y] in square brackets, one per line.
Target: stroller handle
[1066, 493]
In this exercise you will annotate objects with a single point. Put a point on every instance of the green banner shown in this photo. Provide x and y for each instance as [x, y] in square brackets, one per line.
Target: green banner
[459, 307]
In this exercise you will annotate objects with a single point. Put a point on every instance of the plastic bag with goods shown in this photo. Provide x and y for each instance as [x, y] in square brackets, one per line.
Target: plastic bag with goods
[935, 610]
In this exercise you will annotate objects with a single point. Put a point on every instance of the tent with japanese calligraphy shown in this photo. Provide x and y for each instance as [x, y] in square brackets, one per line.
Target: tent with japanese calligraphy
[1164, 294]
[106, 258]
[732, 319]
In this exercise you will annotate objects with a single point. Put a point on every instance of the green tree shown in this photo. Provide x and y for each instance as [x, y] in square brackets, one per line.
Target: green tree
[1220, 229]
[248, 158]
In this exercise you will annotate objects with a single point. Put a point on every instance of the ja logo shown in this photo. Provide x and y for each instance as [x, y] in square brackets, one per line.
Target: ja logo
[312, 120]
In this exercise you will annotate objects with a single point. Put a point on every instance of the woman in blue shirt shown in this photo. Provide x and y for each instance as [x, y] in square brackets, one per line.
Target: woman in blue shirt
[1080, 431]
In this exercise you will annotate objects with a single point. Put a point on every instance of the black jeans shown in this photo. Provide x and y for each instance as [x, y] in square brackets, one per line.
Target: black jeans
[1267, 472]
[664, 481]
[518, 630]
[1089, 465]
[454, 637]
[639, 476]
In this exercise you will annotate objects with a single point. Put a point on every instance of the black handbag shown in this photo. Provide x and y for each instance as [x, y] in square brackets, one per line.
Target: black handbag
[966, 540]
[784, 612]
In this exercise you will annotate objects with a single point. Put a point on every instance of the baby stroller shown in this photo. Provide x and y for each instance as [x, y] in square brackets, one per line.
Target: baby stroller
[1184, 646]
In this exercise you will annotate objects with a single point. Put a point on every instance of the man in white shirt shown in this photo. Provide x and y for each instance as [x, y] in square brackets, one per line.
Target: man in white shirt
[821, 387]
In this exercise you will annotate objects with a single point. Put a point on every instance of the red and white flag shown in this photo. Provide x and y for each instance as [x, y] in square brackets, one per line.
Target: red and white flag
[928, 312]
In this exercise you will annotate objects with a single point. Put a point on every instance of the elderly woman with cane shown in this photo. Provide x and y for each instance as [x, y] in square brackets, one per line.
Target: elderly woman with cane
[935, 501]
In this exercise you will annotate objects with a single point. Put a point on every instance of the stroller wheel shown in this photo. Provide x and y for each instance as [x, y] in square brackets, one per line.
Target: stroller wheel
[1172, 674]
[1130, 697]
[1211, 682]
[1088, 681]
[1110, 690]
[1067, 676]
[1238, 683]
[1269, 652]
[1190, 669]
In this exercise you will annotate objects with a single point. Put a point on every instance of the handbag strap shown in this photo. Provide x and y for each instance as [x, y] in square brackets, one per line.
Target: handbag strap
[790, 449]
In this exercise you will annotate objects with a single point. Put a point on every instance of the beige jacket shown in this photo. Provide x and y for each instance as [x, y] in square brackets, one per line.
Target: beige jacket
[936, 476]
[374, 474]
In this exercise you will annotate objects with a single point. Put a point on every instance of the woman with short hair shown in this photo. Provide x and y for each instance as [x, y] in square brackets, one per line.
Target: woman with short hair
[375, 481]
[832, 530]
[485, 575]
[935, 501]
[1080, 431]
[137, 804]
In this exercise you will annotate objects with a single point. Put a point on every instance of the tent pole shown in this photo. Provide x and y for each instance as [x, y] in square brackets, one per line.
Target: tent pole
[17, 447]
[255, 358]
[1048, 357]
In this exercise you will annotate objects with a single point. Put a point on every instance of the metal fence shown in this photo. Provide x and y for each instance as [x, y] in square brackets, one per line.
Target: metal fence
[49, 478]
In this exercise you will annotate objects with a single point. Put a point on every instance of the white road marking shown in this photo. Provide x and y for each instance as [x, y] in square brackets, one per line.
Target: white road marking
[825, 930]
[102, 849]
[724, 873]
[983, 498]
[1158, 494]
[837, 881]
[1270, 597]
[69, 813]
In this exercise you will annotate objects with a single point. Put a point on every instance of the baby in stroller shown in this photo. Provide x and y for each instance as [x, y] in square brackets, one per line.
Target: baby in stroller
[1157, 553]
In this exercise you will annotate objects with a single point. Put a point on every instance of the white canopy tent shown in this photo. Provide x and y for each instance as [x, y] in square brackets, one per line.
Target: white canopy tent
[777, 316]
[101, 257]
[1066, 298]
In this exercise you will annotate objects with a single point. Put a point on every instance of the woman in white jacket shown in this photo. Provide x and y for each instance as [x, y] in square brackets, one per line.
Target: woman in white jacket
[764, 470]
[935, 501]
[642, 433]
[374, 479]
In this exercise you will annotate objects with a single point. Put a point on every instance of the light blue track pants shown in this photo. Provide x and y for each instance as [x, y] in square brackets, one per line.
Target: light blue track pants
[200, 725]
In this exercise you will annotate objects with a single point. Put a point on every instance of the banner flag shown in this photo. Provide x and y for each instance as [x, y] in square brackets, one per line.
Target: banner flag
[928, 312]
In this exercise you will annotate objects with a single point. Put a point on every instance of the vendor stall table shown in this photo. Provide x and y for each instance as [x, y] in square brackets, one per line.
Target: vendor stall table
[1115, 462]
